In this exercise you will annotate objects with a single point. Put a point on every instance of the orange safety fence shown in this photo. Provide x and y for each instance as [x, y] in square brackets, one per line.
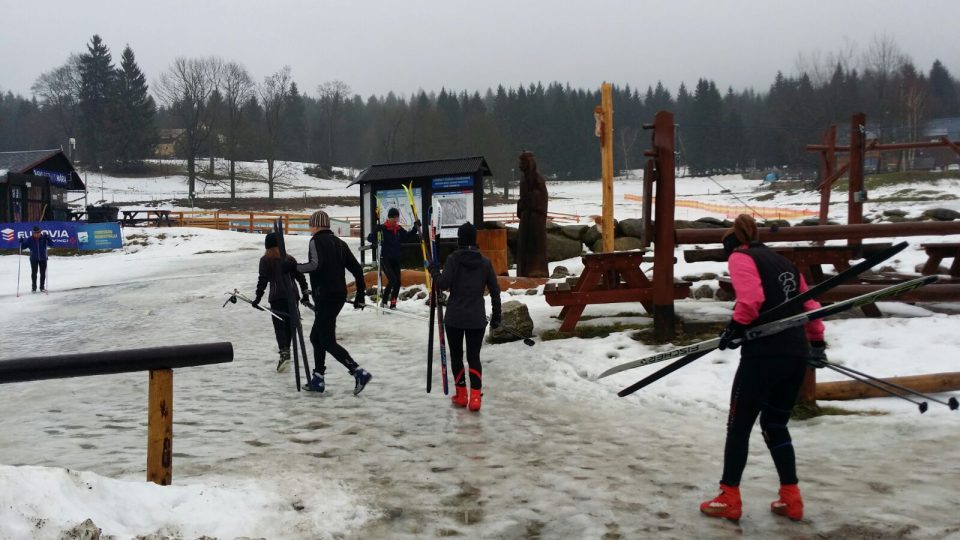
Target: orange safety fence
[764, 212]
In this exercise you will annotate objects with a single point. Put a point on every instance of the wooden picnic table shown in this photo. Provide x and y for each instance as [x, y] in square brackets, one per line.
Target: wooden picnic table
[161, 217]
[936, 253]
[606, 278]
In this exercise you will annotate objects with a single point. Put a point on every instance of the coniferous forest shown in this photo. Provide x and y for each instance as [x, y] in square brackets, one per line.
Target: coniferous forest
[116, 112]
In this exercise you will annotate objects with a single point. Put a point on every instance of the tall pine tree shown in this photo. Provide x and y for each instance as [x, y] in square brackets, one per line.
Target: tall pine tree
[134, 112]
[97, 83]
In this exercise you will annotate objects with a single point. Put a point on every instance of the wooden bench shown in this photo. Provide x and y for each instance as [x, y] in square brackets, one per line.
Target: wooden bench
[936, 253]
[607, 278]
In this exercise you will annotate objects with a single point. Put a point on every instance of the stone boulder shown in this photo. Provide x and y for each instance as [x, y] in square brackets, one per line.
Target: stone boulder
[591, 235]
[686, 224]
[561, 248]
[560, 272]
[516, 317]
[553, 228]
[777, 222]
[714, 222]
[941, 214]
[574, 232]
[631, 227]
[624, 243]
[703, 291]
[722, 295]
[895, 212]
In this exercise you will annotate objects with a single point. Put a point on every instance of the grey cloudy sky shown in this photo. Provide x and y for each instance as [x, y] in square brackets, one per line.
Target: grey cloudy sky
[381, 45]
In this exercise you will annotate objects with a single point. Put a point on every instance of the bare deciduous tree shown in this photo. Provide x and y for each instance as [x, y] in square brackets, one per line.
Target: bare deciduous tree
[274, 92]
[185, 88]
[59, 91]
[238, 88]
[333, 94]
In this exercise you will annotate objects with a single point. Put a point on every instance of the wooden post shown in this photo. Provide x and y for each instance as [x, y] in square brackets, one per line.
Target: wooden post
[828, 165]
[663, 239]
[250, 230]
[606, 155]
[160, 427]
[858, 125]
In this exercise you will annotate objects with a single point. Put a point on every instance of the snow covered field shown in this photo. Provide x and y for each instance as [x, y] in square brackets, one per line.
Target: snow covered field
[554, 453]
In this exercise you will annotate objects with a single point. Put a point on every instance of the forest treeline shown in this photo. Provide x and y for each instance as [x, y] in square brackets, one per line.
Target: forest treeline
[219, 109]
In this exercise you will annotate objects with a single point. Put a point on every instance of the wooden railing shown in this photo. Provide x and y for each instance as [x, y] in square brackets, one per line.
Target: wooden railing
[159, 361]
[258, 222]
[511, 217]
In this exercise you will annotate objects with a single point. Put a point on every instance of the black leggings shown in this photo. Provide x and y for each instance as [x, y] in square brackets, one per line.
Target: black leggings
[323, 336]
[281, 328]
[474, 342]
[43, 273]
[767, 387]
[391, 267]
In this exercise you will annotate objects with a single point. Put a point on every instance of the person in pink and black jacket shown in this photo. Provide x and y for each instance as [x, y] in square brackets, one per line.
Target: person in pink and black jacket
[771, 369]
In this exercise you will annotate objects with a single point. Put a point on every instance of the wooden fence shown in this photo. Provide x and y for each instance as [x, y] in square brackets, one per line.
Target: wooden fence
[258, 222]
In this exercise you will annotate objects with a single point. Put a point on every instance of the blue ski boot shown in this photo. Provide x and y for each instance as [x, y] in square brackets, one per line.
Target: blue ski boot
[316, 384]
[362, 377]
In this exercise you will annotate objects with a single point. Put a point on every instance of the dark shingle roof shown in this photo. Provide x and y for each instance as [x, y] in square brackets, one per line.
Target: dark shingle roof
[24, 160]
[423, 169]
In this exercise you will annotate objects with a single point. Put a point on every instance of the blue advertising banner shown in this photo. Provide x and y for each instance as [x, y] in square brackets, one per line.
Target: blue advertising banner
[452, 182]
[63, 234]
[56, 179]
[99, 236]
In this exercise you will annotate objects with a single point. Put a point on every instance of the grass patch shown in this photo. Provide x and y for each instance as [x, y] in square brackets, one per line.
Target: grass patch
[765, 197]
[208, 251]
[806, 411]
[874, 181]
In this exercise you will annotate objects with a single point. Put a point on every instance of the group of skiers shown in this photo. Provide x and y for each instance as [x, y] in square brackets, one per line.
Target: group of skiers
[466, 274]
[766, 384]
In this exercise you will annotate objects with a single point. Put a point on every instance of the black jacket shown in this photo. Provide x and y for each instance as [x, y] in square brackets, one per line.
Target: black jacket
[271, 272]
[466, 273]
[329, 258]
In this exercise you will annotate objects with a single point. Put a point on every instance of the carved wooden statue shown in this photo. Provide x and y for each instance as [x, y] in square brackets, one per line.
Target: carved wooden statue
[532, 211]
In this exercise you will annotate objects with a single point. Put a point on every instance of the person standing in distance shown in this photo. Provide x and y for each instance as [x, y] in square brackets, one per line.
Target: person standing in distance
[771, 369]
[329, 257]
[466, 273]
[393, 235]
[37, 243]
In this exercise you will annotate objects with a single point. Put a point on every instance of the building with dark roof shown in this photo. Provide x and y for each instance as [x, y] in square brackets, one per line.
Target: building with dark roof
[34, 184]
[452, 188]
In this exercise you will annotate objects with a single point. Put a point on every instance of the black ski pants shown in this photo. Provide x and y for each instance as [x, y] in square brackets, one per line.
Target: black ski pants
[474, 338]
[767, 387]
[282, 328]
[323, 336]
[42, 266]
[391, 267]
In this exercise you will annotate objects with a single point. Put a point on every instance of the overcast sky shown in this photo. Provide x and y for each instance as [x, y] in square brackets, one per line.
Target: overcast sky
[380, 45]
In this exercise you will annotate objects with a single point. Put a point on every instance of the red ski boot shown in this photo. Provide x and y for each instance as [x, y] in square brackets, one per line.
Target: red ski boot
[725, 505]
[789, 504]
[460, 398]
[474, 404]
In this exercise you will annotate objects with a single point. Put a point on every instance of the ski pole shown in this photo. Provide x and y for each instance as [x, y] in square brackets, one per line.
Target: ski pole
[921, 404]
[952, 402]
[526, 341]
[19, 260]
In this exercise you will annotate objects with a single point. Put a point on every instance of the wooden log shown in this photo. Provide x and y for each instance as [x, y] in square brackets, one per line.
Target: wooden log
[160, 427]
[927, 384]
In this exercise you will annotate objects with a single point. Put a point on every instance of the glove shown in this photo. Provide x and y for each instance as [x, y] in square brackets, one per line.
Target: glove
[288, 266]
[358, 300]
[416, 225]
[818, 354]
[496, 320]
[305, 299]
[256, 302]
[733, 331]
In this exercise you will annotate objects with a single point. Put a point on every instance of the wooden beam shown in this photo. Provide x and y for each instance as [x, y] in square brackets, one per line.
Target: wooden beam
[606, 155]
[927, 384]
[160, 427]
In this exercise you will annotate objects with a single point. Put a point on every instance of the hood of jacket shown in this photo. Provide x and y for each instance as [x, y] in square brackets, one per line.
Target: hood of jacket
[469, 257]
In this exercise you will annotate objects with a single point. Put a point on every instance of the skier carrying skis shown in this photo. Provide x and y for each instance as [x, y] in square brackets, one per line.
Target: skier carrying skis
[37, 243]
[466, 273]
[271, 272]
[771, 369]
[393, 234]
[329, 258]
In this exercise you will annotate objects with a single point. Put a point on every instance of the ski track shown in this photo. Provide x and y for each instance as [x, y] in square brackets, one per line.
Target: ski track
[540, 460]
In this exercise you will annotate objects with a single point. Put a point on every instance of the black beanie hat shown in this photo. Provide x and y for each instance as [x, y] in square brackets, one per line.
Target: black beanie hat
[271, 241]
[467, 235]
[393, 212]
